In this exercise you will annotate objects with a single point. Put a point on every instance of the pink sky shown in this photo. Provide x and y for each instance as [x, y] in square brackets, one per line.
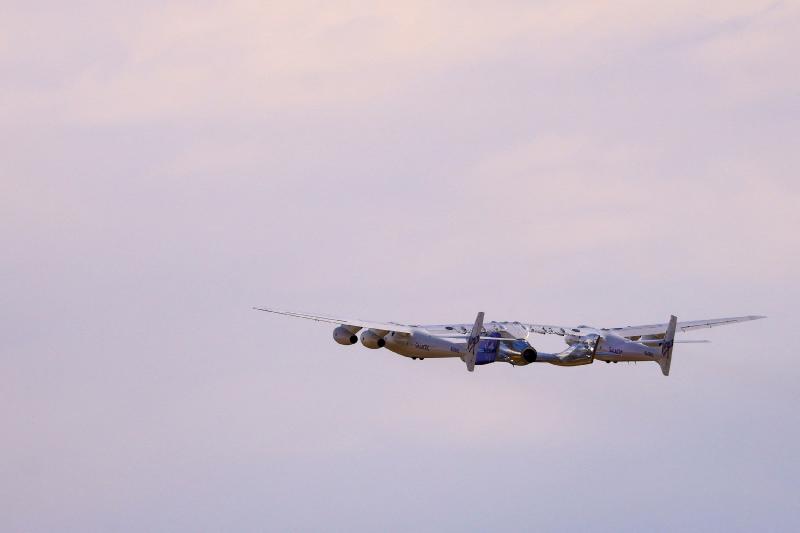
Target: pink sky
[165, 167]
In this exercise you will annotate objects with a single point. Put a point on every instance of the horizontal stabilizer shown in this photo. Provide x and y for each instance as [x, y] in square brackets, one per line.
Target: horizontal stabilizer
[659, 342]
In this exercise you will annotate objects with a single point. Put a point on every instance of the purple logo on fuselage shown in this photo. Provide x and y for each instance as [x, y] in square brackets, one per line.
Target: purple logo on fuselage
[472, 342]
[666, 347]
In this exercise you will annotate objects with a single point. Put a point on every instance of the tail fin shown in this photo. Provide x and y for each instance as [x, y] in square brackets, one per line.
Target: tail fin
[473, 341]
[665, 358]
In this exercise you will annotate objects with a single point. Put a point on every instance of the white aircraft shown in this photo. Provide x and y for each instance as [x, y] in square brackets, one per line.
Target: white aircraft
[507, 342]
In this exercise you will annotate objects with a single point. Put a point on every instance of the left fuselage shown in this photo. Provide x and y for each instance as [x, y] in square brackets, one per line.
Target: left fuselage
[422, 344]
[492, 348]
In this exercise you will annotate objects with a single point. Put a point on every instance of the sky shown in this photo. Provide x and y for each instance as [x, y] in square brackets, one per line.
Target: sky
[166, 166]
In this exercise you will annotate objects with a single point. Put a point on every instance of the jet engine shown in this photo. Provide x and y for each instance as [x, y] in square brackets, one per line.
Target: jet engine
[373, 339]
[345, 335]
[518, 352]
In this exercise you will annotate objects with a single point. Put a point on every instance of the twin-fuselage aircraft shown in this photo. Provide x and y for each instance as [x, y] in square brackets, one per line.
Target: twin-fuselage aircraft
[508, 342]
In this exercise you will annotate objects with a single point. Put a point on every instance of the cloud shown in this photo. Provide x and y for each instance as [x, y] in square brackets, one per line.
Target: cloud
[560, 183]
[165, 166]
[248, 58]
[754, 58]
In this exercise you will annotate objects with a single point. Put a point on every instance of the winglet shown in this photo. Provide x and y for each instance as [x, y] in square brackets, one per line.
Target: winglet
[473, 341]
[665, 359]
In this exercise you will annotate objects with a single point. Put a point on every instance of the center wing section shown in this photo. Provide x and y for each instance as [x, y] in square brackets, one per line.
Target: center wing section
[507, 330]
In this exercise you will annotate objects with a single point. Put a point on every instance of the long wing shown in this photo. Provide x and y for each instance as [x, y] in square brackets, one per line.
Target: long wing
[514, 329]
[655, 329]
[385, 326]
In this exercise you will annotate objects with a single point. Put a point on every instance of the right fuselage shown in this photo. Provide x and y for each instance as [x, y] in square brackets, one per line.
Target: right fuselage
[612, 347]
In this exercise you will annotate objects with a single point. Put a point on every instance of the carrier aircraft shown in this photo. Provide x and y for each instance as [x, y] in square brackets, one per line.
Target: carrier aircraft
[510, 342]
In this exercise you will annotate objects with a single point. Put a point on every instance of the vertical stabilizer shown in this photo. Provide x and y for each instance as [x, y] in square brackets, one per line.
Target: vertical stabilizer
[665, 359]
[473, 341]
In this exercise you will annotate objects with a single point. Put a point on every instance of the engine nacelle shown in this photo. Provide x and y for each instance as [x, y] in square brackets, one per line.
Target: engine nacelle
[518, 352]
[345, 335]
[373, 339]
